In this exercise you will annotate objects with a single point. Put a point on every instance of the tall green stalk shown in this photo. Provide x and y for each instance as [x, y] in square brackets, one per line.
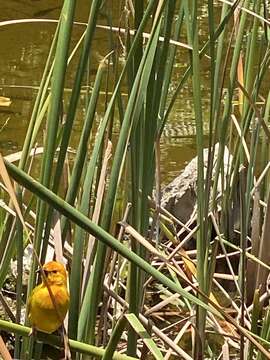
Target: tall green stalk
[79, 236]
[228, 101]
[192, 16]
[81, 70]
[132, 282]
[131, 116]
[57, 86]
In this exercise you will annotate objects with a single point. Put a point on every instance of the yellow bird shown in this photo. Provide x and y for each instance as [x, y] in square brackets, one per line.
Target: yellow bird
[47, 314]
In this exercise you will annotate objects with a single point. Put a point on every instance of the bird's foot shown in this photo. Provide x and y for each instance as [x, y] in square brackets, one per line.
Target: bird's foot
[64, 341]
[33, 332]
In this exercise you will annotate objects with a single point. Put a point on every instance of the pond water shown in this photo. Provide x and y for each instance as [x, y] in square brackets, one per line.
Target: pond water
[23, 52]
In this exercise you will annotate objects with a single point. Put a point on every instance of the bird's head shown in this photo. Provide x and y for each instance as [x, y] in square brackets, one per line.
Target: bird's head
[55, 273]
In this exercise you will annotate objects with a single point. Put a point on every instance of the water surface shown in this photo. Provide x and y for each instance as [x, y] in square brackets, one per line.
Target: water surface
[23, 52]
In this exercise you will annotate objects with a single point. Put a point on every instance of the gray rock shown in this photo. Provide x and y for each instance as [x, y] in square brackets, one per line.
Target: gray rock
[180, 196]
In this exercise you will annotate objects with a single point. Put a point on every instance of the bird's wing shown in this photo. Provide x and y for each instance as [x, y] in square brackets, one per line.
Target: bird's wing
[30, 301]
[62, 296]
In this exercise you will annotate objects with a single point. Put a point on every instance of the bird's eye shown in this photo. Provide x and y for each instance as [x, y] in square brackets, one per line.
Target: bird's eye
[54, 271]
